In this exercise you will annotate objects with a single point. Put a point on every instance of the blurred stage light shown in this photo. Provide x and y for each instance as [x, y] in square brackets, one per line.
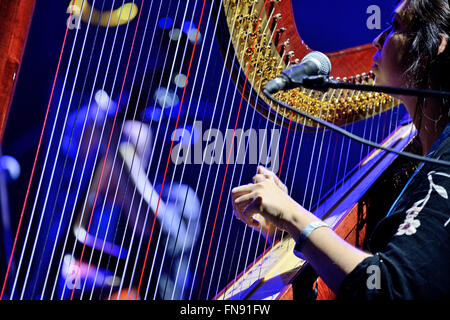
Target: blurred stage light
[187, 27]
[180, 80]
[165, 23]
[152, 113]
[175, 34]
[193, 34]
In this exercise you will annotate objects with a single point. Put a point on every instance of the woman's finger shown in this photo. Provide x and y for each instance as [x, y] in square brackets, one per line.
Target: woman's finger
[243, 189]
[240, 204]
[258, 178]
[271, 175]
[281, 185]
[250, 210]
[261, 170]
[245, 198]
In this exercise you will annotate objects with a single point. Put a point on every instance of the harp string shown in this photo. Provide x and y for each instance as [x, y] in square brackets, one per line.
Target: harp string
[372, 124]
[222, 150]
[339, 180]
[239, 255]
[108, 146]
[279, 172]
[364, 135]
[296, 162]
[295, 170]
[159, 162]
[83, 170]
[11, 266]
[70, 183]
[148, 169]
[279, 176]
[132, 161]
[246, 227]
[202, 164]
[310, 166]
[345, 93]
[34, 164]
[334, 94]
[41, 261]
[273, 240]
[333, 157]
[170, 151]
[116, 153]
[171, 224]
[240, 179]
[141, 238]
[227, 163]
[260, 230]
[215, 145]
[158, 278]
[184, 165]
[42, 174]
[135, 188]
[54, 163]
[352, 93]
[275, 156]
[243, 51]
[84, 167]
[319, 157]
[372, 120]
[188, 150]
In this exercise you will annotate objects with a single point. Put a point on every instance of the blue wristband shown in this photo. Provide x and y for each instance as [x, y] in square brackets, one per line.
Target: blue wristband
[304, 234]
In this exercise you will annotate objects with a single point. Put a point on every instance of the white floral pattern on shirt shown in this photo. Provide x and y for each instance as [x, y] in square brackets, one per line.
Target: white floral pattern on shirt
[411, 224]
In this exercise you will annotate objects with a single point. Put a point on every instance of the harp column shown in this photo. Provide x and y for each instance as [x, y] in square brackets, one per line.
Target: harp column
[14, 26]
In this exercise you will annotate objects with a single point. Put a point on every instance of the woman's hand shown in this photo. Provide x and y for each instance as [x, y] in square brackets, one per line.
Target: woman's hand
[266, 204]
[263, 173]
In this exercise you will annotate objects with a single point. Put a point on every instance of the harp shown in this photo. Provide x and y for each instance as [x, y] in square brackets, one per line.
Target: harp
[155, 114]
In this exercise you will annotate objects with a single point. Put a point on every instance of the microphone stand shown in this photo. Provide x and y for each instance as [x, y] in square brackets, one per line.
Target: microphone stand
[323, 83]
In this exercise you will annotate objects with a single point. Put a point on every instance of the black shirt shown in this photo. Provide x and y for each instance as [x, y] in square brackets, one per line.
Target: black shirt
[411, 245]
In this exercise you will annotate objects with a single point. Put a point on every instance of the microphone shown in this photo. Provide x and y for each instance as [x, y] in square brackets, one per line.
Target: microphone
[313, 64]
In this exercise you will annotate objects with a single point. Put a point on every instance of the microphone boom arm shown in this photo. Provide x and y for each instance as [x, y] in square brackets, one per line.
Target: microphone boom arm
[323, 83]
[354, 137]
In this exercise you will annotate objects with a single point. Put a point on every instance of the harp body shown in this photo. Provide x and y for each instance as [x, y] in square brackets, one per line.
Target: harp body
[257, 40]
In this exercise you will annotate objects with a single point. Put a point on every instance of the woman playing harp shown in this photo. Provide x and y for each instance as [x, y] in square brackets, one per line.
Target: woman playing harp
[409, 254]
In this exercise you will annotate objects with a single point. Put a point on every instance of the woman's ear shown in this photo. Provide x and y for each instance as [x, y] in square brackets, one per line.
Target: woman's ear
[444, 42]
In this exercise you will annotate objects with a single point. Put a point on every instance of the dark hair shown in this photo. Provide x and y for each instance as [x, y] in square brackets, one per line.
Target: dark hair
[428, 21]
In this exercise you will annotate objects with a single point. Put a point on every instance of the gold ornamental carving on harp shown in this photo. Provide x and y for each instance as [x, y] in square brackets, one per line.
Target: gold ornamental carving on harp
[252, 35]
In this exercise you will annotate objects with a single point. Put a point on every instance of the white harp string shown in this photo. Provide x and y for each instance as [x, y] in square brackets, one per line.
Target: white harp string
[42, 176]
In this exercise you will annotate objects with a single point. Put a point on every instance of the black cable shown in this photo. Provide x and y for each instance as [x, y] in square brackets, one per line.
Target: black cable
[355, 137]
[323, 83]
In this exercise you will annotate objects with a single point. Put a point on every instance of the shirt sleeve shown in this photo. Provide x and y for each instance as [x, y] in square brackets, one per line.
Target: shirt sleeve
[415, 264]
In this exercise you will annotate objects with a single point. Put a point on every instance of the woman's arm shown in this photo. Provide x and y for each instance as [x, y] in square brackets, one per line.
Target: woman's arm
[331, 256]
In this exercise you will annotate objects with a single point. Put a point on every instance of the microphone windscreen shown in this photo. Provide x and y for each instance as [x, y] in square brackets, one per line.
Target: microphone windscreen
[321, 60]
